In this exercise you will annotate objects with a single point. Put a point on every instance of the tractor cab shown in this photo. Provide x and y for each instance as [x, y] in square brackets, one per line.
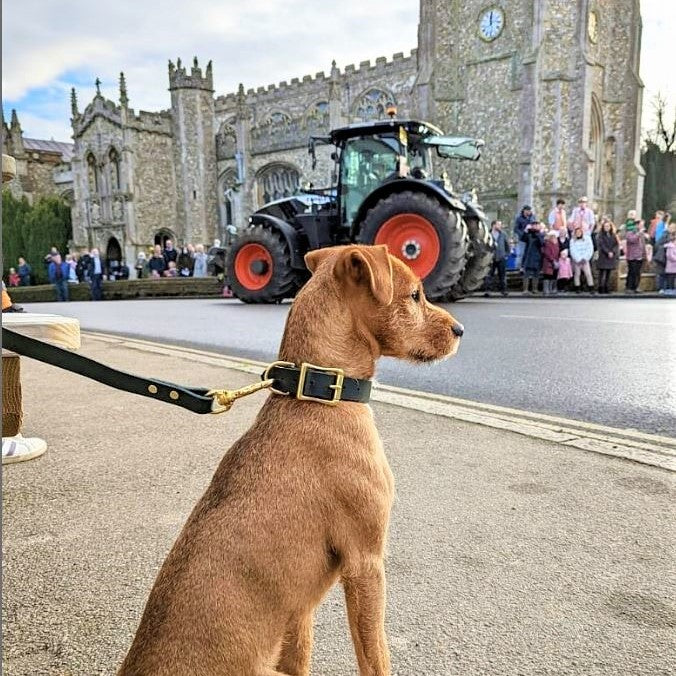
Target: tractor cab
[371, 154]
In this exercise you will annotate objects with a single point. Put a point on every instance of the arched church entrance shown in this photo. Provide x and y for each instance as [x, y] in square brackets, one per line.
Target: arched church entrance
[161, 237]
[113, 250]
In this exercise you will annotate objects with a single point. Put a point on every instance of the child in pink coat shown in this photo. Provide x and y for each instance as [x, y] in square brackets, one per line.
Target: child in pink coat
[565, 271]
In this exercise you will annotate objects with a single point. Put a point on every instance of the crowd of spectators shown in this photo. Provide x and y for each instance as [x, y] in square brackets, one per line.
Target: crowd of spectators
[90, 267]
[569, 250]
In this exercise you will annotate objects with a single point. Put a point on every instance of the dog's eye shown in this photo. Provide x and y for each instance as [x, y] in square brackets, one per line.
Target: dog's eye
[416, 296]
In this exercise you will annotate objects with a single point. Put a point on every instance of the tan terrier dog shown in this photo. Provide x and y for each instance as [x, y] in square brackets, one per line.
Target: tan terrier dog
[302, 500]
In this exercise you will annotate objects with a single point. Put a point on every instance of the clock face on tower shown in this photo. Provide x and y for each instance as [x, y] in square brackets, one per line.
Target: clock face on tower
[491, 23]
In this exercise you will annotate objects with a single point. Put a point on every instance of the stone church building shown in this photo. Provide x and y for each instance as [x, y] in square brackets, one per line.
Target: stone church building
[552, 86]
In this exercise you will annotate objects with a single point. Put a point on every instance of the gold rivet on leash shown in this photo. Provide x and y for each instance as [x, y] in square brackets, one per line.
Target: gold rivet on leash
[173, 395]
[152, 389]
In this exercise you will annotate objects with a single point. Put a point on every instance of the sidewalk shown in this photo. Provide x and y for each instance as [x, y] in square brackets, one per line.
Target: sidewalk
[508, 554]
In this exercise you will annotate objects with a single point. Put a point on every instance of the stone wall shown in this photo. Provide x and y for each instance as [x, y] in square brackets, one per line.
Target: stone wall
[557, 108]
[155, 186]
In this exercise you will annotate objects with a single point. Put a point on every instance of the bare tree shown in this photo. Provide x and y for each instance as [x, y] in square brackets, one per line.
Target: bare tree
[665, 137]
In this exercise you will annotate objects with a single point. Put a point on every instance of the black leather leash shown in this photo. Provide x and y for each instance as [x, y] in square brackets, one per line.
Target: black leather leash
[309, 382]
[195, 399]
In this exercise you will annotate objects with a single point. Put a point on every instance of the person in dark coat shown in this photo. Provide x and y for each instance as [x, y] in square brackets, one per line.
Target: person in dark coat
[608, 246]
[25, 271]
[500, 255]
[170, 254]
[156, 263]
[564, 240]
[525, 218]
[185, 263]
[532, 257]
[550, 262]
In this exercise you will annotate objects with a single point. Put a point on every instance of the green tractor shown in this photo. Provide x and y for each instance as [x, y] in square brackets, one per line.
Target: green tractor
[386, 194]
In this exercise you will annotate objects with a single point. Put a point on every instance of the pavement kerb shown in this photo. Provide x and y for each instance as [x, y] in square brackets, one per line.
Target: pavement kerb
[647, 449]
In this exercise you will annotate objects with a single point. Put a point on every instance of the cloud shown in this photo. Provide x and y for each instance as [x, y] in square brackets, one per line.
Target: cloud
[50, 46]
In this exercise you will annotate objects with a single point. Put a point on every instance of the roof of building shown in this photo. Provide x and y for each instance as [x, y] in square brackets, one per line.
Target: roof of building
[38, 144]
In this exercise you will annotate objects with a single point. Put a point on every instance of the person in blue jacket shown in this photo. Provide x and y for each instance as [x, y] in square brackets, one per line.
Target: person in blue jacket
[58, 272]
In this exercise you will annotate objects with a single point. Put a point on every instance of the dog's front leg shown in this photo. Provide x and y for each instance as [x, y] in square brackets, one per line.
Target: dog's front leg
[297, 647]
[365, 599]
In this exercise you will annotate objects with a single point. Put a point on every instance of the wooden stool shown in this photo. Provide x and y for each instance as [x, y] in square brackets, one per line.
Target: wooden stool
[12, 407]
[61, 331]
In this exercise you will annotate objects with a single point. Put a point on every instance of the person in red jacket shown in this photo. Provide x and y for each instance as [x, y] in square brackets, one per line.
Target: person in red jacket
[550, 262]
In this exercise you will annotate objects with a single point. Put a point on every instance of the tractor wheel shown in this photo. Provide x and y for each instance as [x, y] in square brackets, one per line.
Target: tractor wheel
[426, 235]
[481, 247]
[258, 267]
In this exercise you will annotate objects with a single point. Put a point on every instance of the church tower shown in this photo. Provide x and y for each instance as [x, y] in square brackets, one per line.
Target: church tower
[552, 86]
[192, 112]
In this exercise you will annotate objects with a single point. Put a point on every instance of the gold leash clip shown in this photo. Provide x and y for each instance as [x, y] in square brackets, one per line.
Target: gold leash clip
[224, 399]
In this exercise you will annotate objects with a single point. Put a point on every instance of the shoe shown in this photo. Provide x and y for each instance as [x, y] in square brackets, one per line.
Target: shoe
[14, 308]
[505, 294]
[18, 448]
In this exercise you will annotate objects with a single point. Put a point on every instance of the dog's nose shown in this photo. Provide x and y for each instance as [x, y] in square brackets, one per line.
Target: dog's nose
[458, 329]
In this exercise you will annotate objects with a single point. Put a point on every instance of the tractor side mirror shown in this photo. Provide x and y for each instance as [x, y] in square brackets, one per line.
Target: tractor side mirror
[458, 148]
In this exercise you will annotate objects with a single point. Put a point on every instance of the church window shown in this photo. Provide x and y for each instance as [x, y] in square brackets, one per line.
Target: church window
[92, 174]
[277, 181]
[318, 115]
[372, 105]
[114, 167]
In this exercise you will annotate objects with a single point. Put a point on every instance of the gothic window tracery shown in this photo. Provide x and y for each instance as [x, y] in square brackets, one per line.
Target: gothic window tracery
[276, 124]
[277, 181]
[92, 174]
[372, 105]
[318, 115]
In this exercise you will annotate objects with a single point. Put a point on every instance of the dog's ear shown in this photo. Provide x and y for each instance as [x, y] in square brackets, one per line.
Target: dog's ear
[369, 265]
[314, 258]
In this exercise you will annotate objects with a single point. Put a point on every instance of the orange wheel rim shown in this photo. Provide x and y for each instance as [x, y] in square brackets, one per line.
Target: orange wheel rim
[253, 266]
[413, 240]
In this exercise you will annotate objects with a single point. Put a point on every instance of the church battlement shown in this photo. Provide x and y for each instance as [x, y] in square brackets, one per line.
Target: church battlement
[382, 66]
[180, 78]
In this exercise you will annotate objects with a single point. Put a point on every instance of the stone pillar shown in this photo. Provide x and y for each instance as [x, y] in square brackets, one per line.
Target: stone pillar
[244, 205]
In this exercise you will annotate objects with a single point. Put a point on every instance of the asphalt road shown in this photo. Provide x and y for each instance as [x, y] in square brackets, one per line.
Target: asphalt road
[610, 361]
[506, 555]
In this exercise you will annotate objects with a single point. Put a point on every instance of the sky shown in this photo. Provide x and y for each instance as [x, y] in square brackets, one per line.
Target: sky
[49, 47]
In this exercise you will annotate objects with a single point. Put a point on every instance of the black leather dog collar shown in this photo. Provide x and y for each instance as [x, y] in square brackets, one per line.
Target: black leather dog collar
[316, 383]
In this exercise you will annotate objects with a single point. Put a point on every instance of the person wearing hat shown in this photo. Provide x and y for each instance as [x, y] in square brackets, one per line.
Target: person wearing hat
[525, 218]
[582, 217]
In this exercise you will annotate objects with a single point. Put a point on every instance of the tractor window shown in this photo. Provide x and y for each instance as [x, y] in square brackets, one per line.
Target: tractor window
[419, 159]
[365, 164]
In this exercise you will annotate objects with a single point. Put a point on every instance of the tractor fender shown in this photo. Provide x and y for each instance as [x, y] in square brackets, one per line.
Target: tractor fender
[290, 235]
[400, 185]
